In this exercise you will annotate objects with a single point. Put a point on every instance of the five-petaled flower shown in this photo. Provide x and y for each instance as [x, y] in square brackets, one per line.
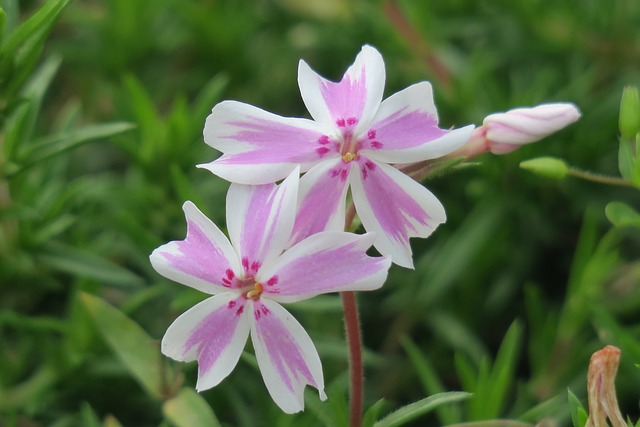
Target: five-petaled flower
[248, 277]
[351, 142]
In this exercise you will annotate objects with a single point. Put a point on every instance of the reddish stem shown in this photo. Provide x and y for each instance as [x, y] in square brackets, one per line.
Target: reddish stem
[356, 371]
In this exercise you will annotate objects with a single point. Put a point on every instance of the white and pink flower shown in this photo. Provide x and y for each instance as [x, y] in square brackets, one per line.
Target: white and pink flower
[353, 138]
[248, 277]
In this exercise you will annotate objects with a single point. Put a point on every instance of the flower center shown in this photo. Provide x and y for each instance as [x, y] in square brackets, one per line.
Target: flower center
[349, 156]
[255, 293]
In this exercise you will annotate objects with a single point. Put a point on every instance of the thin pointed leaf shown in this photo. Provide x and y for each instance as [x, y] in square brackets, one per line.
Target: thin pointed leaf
[87, 264]
[40, 21]
[137, 351]
[189, 409]
[419, 408]
[58, 144]
[578, 414]
[21, 124]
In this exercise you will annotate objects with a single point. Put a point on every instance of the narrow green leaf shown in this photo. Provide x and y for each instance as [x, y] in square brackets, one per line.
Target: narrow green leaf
[419, 408]
[370, 415]
[209, 95]
[429, 378]
[89, 416]
[189, 409]
[40, 21]
[622, 215]
[20, 126]
[130, 343]
[58, 144]
[503, 369]
[578, 414]
[85, 263]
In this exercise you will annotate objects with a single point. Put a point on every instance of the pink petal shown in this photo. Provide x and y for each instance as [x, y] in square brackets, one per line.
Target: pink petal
[260, 219]
[286, 355]
[214, 332]
[352, 101]
[322, 197]
[395, 207]
[204, 260]
[405, 129]
[259, 147]
[331, 261]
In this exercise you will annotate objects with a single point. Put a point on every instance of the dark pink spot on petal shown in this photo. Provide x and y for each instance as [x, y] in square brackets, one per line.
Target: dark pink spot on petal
[245, 263]
[343, 174]
[232, 304]
[352, 121]
[324, 140]
[371, 134]
[230, 274]
[226, 282]
[341, 123]
[376, 144]
[255, 265]
[370, 165]
[272, 281]
[322, 151]
[239, 310]
[257, 314]
[265, 310]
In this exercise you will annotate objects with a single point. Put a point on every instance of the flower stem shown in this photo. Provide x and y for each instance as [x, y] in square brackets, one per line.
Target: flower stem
[356, 372]
[602, 179]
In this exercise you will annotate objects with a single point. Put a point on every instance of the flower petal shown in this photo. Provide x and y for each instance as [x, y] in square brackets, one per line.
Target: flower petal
[323, 191]
[259, 147]
[214, 332]
[395, 207]
[287, 358]
[260, 219]
[331, 261]
[357, 96]
[204, 260]
[405, 129]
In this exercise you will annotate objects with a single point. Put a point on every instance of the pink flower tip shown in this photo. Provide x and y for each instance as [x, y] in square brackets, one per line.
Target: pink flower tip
[505, 132]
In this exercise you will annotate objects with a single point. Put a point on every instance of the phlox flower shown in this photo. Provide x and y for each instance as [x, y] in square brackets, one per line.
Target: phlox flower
[352, 140]
[248, 277]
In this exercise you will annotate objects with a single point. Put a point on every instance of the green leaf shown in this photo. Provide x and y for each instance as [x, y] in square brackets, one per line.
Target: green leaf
[137, 351]
[20, 127]
[370, 415]
[419, 408]
[189, 409]
[58, 144]
[429, 378]
[89, 416]
[40, 21]
[85, 263]
[622, 215]
[578, 414]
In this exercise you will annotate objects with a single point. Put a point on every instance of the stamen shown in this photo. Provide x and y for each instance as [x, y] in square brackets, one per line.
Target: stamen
[255, 293]
[349, 157]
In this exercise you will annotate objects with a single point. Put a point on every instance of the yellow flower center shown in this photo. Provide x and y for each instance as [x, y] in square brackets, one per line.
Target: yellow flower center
[349, 157]
[255, 293]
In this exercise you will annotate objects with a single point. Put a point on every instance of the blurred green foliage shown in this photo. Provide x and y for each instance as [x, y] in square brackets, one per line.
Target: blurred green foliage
[102, 105]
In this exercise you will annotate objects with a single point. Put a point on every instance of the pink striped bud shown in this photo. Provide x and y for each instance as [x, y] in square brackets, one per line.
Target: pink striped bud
[505, 132]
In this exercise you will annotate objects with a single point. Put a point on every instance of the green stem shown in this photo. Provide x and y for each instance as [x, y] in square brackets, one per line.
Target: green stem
[356, 371]
[602, 179]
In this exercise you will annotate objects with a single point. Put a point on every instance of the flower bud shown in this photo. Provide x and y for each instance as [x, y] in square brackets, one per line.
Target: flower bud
[507, 131]
[548, 167]
[629, 121]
